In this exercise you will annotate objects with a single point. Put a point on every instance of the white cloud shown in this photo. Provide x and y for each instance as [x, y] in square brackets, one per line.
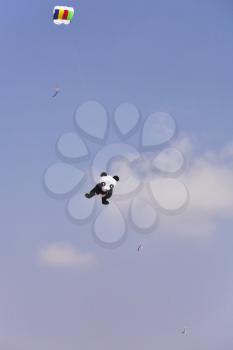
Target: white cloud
[209, 180]
[186, 145]
[227, 151]
[210, 187]
[64, 255]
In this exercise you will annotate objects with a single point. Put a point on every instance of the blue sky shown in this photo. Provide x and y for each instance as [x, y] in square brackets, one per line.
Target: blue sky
[166, 55]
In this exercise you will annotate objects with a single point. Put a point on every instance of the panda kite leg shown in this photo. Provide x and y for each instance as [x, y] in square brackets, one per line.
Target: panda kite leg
[105, 198]
[104, 201]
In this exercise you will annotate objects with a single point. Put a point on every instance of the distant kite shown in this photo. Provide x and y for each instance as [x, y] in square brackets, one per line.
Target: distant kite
[62, 14]
[57, 90]
[183, 331]
[140, 248]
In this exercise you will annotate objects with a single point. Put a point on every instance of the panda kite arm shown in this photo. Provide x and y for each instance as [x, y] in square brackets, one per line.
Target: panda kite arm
[93, 192]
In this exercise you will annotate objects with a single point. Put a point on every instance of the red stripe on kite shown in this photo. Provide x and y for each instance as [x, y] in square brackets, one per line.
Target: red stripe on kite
[65, 14]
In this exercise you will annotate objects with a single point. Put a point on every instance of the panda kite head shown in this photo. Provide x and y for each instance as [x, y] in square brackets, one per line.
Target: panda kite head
[108, 182]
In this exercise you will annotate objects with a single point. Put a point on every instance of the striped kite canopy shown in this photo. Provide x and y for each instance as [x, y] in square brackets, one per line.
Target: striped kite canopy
[62, 14]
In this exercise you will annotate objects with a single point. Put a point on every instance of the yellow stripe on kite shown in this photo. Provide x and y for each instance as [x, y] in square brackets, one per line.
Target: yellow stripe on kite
[60, 15]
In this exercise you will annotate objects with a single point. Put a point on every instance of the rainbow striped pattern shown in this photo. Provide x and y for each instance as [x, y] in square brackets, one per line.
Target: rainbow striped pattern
[62, 14]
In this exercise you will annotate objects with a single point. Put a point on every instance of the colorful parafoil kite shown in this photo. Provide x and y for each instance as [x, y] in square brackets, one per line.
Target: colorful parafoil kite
[62, 14]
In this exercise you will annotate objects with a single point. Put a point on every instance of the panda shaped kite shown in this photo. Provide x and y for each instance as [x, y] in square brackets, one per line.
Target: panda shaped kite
[104, 187]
